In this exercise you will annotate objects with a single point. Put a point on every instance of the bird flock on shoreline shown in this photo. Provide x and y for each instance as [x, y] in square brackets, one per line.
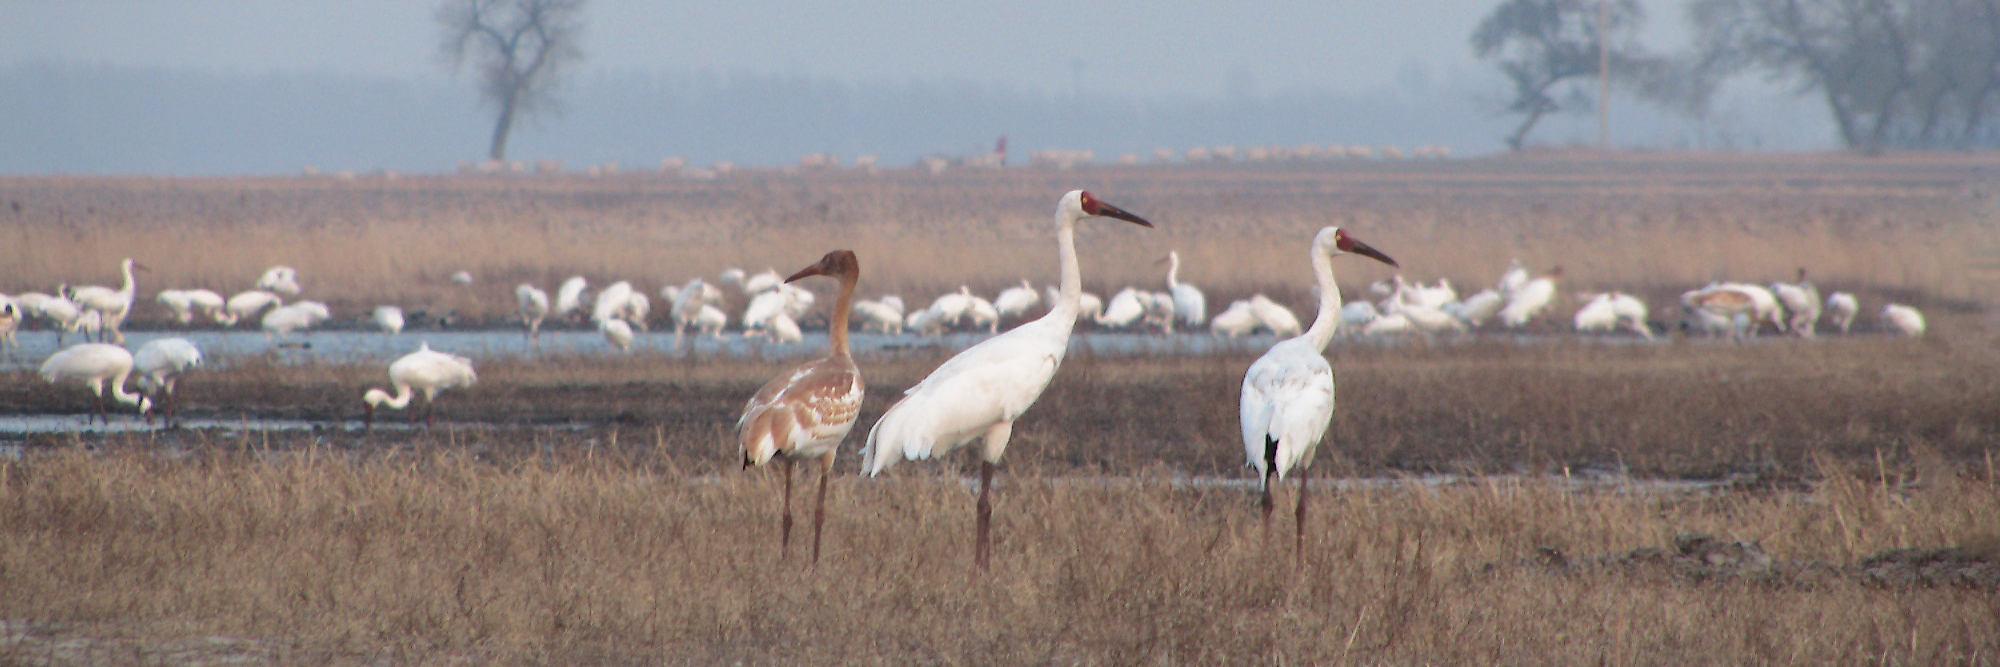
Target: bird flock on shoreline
[1287, 396]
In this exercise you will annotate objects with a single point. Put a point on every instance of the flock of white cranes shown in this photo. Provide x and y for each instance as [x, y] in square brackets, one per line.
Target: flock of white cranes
[1286, 401]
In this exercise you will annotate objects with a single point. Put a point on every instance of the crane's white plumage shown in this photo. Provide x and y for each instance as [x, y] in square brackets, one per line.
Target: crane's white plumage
[1904, 319]
[244, 304]
[569, 297]
[1842, 307]
[425, 369]
[92, 364]
[112, 306]
[533, 305]
[160, 363]
[979, 393]
[1287, 399]
[1190, 305]
[281, 279]
[1274, 316]
[389, 319]
[1017, 301]
[1236, 320]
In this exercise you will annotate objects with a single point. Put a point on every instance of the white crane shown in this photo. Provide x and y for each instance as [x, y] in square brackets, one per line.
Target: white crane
[10, 319]
[282, 321]
[1236, 320]
[427, 370]
[1530, 299]
[389, 319]
[1801, 300]
[1088, 306]
[111, 305]
[1475, 310]
[569, 297]
[1842, 307]
[1275, 316]
[533, 305]
[1190, 305]
[618, 332]
[611, 300]
[461, 278]
[1287, 400]
[92, 364]
[807, 412]
[61, 312]
[281, 279]
[1631, 313]
[206, 301]
[1123, 309]
[244, 304]
[763, 281]
[1513, 279]
[1724, 303]
[1358, 314]
[979, 393]
[784, 330]
[1017, 301]
[982, 313]
[690, 301]
[160, 363]
[178, 303]
[1904, 319]
[880, 315]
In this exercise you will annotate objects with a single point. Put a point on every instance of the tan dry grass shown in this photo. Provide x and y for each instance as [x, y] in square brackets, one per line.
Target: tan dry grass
[434, 556]
[1910, 229]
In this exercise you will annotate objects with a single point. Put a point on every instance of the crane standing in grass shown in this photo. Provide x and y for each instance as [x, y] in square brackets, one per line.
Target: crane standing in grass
[979, 393]
[425, 369]
[806, 413]
[1287, 399]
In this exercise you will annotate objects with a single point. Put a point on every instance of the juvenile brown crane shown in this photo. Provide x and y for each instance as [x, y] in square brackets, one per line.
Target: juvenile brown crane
[807, 412]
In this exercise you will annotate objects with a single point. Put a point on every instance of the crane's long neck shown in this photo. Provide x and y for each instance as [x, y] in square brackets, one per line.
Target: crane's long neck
[1173, 269]
[118, 388]
[129, 287]
[402, 398]
[842, 307]
[1071, 298]
[1328, 320]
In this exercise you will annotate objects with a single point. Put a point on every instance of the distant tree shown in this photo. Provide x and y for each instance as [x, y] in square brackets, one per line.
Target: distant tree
[520, 50]
[1894, 73]
[1539, 44]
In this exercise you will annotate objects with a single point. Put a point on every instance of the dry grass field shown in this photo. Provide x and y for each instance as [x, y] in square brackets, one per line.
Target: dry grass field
[572, 510]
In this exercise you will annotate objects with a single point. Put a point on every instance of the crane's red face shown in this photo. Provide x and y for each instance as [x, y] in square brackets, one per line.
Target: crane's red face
[1094, 206]
[1347, 244]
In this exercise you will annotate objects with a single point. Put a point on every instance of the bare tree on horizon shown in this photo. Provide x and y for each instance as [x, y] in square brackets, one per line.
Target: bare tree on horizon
[520, 48]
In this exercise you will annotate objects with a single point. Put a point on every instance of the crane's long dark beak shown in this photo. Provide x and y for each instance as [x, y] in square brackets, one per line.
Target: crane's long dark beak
[1107, 210]
[1365, 250]
[814, 270]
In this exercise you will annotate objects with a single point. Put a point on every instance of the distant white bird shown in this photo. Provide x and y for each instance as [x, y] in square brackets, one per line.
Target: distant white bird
[1801, 301]
[1287, 401]
[980, 392]
[1274, 316]
[764, 306]
[388, 318]
[462, 278]
[62, 313]
[111, 305]
[283, 320]
[880, 316]
[1427, 319]
[1631, 313]
[1123, 309]
[1529, 300]
[807, 412]
[1904, 319]
[610, 303]
[638, 308]
[618, 332]
[1236, 320]
[427, 370]
[207, 302]
[1724, 302]
[160, 363]
[1017, 302]
[732, 276]
[10, 319]
[763, 281]
[178, 303]
[711, 321]
[982, 313]
[91, 364]
[784, 330]
[281, 279]
[1596, 314]
[1159, 310]
[1515, 278]
[1842, 307]
[1190, 305]
[1475, 310]
[951, 307]
[1389, 324]
[245, 304]
[1089, 306]
[1355, 315]
[533, 305]
[569, 298]
[689, 302]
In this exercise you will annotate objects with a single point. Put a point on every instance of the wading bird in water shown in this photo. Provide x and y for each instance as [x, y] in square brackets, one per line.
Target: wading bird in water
[807, 412]
[160, 363]
[425, 369]
[92, 364]
[979, 393]
[1287, 398]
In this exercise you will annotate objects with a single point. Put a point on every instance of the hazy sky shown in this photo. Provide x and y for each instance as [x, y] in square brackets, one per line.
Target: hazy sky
[1144, 47]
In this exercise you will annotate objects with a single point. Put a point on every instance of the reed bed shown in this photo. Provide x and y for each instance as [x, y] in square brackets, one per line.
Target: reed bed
[431, 554]
[1912, 229]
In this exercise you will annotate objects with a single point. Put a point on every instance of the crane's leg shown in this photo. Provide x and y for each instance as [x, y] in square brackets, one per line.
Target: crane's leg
[982, 552]
[785, 525]
[1270, 470]
[97, 408]
[819, 511]
[1299, 540]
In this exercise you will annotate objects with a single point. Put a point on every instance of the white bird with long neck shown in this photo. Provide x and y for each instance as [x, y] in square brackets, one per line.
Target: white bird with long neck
[807, 412]
[533, 305]
[424, 369]
[1190, 305]
[92, 364]
[978, 394]
[1287, 400]
[111, 305]
[160, 363]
